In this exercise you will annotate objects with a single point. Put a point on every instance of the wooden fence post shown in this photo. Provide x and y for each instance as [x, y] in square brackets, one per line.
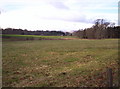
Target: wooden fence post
[109, 77]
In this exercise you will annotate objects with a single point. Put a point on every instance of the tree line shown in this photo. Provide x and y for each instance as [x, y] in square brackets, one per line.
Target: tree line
[26, 32]
[101, 29]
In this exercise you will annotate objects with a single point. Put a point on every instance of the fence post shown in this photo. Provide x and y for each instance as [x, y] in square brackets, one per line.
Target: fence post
[109, 77]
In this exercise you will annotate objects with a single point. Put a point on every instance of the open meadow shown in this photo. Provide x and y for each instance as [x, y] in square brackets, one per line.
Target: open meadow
[59, 63]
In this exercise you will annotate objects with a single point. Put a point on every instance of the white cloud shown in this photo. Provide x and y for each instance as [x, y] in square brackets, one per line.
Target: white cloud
[55, 15]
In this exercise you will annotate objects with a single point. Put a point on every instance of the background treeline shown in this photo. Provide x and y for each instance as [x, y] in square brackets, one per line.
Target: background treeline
[101, 29]
[26, 32]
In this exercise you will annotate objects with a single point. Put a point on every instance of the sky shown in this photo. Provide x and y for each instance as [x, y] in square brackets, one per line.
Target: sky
[59, 15]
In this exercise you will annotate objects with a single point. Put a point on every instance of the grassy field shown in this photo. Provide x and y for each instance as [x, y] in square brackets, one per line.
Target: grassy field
[35, 37]
[59, 63]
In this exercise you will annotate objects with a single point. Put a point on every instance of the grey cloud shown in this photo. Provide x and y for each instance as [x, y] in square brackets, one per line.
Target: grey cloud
[76, 18]
[72, 18]
[79, 19]
[59, 5]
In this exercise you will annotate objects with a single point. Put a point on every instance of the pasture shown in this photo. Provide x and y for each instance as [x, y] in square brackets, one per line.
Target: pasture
[59, 63]
[35, 37]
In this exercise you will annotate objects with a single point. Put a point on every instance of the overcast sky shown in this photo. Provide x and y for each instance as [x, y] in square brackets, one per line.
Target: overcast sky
[64, 15]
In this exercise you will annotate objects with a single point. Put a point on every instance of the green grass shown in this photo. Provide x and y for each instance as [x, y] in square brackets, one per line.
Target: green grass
[76, 63]
[36, 36]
